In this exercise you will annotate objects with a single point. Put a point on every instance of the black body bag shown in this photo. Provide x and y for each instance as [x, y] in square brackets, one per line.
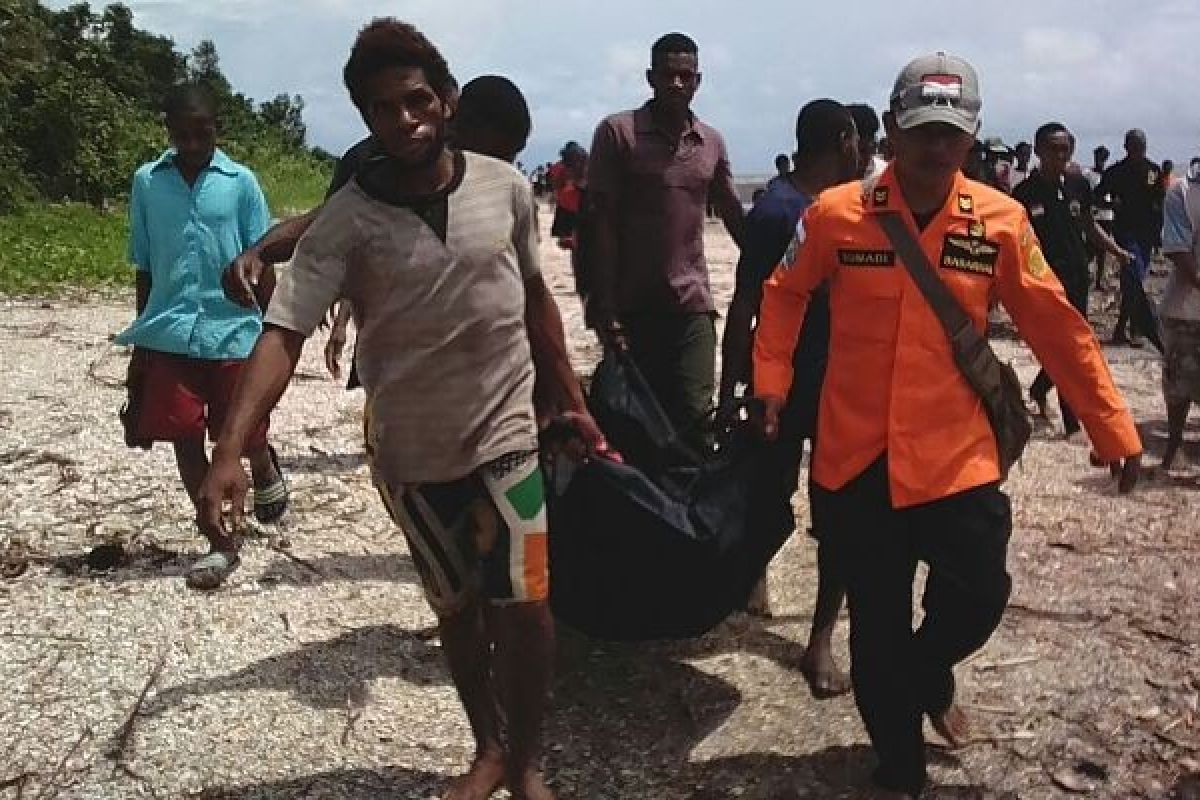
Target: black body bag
[665, 545]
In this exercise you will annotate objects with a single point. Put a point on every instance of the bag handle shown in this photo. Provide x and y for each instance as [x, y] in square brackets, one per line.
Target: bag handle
[955, 322]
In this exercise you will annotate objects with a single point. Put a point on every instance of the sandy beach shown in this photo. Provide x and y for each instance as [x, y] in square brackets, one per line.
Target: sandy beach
[316, 672]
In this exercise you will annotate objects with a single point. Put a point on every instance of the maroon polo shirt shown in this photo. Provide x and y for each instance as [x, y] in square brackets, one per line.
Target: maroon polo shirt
[659, 187]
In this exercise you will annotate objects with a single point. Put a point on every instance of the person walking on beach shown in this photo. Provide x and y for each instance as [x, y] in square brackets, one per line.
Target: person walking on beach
[1060, 209]
[866, 122]
[783, 168]
[1022, 169]
[568, 178]
[650, 173]
[1181, 307]
[436, 249]
[192, 210]
[827, 153]
[1135, 185]
[907, 464]
[1102, 207]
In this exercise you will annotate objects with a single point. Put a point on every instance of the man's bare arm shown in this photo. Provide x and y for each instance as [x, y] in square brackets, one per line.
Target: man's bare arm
[557, 396]
[557, 389]
[279, 243]
[1101, 239]
[264, 378]
[737, 345]
[601, 310]
[243, 276]
[729, 208]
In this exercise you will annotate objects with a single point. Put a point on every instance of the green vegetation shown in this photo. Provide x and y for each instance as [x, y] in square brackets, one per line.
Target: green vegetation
[293, 184]
[54, 246]
[80, 100]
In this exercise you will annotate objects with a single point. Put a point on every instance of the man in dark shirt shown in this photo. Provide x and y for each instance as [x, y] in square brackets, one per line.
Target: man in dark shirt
[827, 153]
[652, 172]
[1060, 207]
[1135, 185]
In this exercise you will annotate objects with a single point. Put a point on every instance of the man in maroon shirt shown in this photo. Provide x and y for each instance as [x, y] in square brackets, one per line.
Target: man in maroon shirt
[652, 173]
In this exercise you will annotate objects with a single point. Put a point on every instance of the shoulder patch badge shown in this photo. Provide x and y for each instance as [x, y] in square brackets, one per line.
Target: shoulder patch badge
[879, 197]
[966, 203]
[1031, 255]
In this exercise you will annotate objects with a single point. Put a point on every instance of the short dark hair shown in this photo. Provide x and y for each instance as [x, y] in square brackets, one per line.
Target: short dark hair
[1023, 144]
[783, 161]
[865, 119]
[1046, 131]
[1101, 150]
[388, 42]
[190, 98]
[495, 102]
[820, 126]
[673, 43]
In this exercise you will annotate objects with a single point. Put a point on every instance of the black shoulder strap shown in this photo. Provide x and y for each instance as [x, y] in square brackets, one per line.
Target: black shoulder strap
[949, 312]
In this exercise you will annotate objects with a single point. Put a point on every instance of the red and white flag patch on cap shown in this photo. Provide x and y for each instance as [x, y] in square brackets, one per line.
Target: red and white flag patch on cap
[941, 87]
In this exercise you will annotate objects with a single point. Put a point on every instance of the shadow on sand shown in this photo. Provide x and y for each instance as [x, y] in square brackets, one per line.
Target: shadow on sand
[624, 723]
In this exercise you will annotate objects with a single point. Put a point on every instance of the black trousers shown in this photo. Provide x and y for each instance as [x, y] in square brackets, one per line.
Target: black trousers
[1077, 288]
[900, 674]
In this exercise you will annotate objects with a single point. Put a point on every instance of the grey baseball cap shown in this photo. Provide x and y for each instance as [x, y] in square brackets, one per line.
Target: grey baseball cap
[937, 88]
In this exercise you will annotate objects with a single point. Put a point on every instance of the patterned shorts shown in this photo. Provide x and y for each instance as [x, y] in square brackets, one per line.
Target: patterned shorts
[480, 536]
[1181, 365]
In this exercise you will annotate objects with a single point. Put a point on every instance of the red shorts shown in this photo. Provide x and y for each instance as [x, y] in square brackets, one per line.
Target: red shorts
[182, 397]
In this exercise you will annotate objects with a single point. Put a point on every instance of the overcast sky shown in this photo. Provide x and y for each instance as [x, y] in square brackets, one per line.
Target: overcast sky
[1099, 66]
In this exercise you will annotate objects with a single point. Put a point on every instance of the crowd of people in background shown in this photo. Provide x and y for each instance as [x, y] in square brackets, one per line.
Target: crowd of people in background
[835, 344]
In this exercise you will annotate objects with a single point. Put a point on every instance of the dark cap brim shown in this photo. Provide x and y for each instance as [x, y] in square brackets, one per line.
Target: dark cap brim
[965, 121]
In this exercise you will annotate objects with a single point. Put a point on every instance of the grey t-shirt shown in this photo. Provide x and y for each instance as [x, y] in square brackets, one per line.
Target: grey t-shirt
[443, 351]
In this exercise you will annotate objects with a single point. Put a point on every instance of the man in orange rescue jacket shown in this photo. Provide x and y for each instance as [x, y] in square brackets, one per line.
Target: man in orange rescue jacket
[906, 466]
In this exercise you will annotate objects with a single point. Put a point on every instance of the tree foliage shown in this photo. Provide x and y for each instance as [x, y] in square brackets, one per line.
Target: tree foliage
[80, 103]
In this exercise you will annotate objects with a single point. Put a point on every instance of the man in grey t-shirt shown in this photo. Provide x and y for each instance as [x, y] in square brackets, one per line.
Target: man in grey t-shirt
[436, 249]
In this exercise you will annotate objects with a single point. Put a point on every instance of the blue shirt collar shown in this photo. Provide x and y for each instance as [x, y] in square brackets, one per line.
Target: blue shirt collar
[220, 162]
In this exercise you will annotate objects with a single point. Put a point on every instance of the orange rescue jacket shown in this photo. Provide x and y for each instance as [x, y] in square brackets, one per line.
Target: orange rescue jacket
[892, 385]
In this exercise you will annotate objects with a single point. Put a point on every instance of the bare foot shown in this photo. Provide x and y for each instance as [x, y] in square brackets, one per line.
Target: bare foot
[954, 726]
[530, 786]
[485, 776]
[824, 678]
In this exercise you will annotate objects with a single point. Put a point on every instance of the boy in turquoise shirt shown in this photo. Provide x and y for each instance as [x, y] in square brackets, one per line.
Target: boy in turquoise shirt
[191, 212]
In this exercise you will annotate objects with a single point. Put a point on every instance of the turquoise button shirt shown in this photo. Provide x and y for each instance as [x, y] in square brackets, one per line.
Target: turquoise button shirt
[185, 236]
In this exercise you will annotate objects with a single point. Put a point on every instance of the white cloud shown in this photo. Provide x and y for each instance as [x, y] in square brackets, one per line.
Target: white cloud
[1054, 47]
